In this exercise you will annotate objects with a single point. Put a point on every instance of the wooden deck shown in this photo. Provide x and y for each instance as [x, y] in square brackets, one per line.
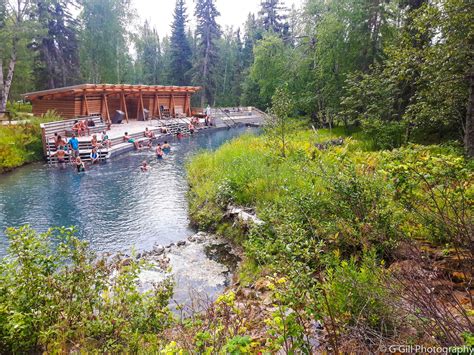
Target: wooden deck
[136, 129]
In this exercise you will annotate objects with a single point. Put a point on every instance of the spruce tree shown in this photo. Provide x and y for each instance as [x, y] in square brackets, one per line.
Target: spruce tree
[207, 33]
[57, 61]
[273, 18]
[180, 51]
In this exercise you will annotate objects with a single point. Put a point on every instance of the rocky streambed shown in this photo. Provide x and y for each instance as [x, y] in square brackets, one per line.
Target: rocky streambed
[201, 266]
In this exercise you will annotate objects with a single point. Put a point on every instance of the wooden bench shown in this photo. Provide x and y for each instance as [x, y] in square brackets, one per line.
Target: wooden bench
[65, 127]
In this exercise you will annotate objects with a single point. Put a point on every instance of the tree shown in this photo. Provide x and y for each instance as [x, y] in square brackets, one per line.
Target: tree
[16, 31]
[272, 17]
[207, 33]
[278, 125]
[105, 40]
[180, 51]
[57, 62]
[270, 67]
[149, 55]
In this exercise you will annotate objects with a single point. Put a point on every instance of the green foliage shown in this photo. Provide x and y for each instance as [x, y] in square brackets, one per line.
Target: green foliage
[54, 292]
[355, 294]
[329, 217]
[180, 51]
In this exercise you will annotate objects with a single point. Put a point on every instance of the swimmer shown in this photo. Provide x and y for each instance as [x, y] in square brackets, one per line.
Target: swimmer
[159, 151]
[166, 147]
[79, 165]
[144, 167]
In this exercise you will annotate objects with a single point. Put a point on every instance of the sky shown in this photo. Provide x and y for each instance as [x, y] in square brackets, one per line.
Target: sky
[233, 12]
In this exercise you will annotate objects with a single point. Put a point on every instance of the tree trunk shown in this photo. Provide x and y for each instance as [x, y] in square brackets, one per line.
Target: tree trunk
[469, 134]
[1, 83]
[8, 82]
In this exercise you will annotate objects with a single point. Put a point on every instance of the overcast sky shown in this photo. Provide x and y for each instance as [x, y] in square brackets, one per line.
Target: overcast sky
[233, 12]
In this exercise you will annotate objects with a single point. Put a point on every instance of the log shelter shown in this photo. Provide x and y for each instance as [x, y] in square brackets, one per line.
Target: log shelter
[105, 99]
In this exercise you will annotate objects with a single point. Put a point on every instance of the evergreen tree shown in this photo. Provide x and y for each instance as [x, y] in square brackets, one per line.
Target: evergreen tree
[167, 73]
[180, 51]
[207, 33]
[272, 17]
[149, 55]
[57, 62]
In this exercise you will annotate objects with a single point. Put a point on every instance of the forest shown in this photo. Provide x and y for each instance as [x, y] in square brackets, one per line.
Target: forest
[403, 69]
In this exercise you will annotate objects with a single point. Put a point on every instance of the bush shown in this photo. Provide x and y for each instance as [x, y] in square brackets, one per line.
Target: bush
[57, 296]
[385, 135]
[21, 143]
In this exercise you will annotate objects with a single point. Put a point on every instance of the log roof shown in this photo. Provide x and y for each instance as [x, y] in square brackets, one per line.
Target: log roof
[94, 89]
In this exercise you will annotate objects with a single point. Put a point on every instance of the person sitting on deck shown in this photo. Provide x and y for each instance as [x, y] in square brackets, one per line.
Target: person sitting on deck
[144, 167]
[195, 121]
[60, 154]
[79, 165]
[94, 156]
[166, 147]
[58, 140]
[77, 128]
[159, 151]
[191, 128]
[129, 139]
[74, 145]
[85, 127]
[165, 130]
[106, 142]
[90, 123]
[149, 134]
[95, 143]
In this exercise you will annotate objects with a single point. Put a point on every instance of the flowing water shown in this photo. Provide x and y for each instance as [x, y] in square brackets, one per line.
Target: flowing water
[114, 205]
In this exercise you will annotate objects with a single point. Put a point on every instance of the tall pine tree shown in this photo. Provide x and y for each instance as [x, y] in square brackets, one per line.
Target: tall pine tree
[207, 33]
[273, 18]
[57, 62]
[180, 51]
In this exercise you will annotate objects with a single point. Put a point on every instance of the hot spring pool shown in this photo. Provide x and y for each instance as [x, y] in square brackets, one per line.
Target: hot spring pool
[114, 206]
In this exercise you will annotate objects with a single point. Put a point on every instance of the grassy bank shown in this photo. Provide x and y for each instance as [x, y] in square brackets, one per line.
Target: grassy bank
[21, 143]
[352, 231]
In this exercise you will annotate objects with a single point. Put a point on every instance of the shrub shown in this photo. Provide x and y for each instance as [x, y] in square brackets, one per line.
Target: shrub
[56, 294]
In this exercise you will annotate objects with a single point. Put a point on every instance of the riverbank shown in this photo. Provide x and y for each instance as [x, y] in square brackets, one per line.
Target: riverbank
[352, 240]
[21, 143]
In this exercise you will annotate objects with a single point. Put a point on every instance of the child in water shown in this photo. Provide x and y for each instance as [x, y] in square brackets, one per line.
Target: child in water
[80, 165]
[159, 151]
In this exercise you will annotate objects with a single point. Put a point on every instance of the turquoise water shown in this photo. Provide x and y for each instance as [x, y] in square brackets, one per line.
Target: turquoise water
[114, 205]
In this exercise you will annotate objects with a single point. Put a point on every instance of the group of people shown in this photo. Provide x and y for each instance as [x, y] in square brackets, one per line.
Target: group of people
[80, 128]
[160, 151]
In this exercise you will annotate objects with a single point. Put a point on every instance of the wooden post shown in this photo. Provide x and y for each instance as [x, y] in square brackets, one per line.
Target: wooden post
[102, 105]
[172, 106]
[185, 105]
[107, 109]
[159, 107]
[153, 108]
[124, 100]
[138, 105]
[190, 112]
[143, 106]
[86, 104]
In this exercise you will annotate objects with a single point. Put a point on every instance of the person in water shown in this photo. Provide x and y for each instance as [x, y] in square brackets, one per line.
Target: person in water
[129, 139]
[94, 156]
[60, 153]
[191, 128]
[159, 151]
[166, 147]
[149, 134]
[80, 166]
[179, 135]
[144, 167]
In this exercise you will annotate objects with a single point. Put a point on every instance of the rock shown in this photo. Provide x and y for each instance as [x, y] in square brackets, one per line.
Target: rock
[158, 249]
[181, 243]
[262, 284]
[125, 262]
[138, 257]
[192, 238]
